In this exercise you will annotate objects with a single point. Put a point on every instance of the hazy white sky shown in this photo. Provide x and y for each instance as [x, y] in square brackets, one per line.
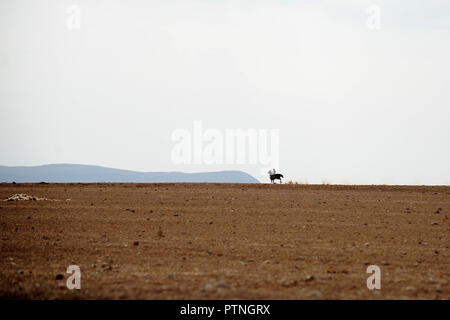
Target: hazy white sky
[352, 104]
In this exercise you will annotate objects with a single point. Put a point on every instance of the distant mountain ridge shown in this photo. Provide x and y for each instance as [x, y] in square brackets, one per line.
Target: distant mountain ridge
[88, 173]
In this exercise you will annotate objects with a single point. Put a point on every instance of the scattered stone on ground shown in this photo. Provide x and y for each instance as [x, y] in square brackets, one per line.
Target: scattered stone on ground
[314, 293]
[219, 284]
[26, 197]
[309, 278]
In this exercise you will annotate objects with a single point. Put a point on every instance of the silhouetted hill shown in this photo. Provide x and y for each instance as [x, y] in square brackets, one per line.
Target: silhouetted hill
[86, 173]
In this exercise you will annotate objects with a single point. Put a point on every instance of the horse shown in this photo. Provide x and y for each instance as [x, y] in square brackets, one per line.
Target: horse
[276, 176]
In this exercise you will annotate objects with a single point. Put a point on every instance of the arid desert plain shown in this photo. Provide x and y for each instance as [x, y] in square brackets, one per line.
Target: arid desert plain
[224, 241]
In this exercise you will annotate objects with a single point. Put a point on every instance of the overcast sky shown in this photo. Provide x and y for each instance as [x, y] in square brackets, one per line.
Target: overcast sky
[353, 104]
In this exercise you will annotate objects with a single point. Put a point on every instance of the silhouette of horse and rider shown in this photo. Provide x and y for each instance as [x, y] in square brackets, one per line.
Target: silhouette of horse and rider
[275, 176]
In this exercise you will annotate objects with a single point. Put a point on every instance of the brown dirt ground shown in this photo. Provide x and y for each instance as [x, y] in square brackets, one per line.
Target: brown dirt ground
[225, 241]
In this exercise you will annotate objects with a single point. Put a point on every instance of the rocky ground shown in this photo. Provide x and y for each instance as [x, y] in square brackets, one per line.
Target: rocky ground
[224, 241]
